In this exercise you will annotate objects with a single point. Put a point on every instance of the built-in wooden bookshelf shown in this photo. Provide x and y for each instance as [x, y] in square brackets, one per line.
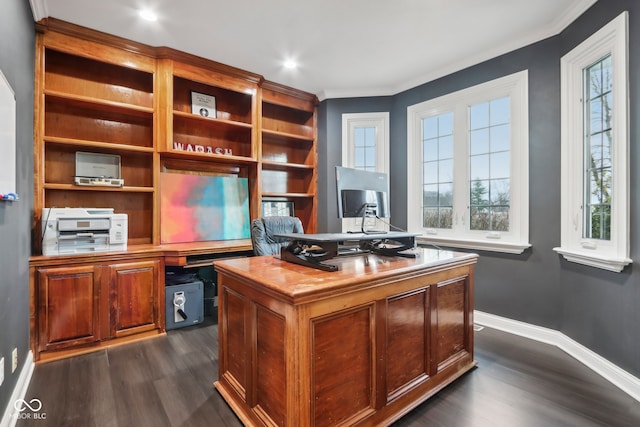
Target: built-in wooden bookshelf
[99, 106]
[288, 150]
[100, 94]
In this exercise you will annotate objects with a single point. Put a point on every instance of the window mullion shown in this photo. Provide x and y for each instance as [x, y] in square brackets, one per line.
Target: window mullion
[461, 169]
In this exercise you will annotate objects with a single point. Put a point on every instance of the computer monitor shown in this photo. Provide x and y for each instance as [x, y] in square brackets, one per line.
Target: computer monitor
[362, 193]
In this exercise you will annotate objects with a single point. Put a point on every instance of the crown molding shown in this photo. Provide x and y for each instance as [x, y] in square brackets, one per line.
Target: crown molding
[571, 14]
[555, 27]
[38, 9]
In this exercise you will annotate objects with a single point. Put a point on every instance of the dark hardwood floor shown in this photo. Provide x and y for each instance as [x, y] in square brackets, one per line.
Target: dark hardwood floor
[168, 381]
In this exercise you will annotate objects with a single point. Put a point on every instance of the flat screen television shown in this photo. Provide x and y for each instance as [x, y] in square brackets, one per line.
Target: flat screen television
[362, 193]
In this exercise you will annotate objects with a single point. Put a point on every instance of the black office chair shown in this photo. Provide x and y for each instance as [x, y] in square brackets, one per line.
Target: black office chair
[263, 230]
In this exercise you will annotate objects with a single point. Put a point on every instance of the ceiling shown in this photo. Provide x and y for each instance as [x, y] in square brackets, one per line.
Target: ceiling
[344, 48]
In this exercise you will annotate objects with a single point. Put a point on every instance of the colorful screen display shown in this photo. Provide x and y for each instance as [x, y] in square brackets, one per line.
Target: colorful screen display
[196, 208]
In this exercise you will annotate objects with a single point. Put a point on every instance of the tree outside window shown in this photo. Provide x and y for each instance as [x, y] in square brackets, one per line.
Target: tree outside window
[598, 131]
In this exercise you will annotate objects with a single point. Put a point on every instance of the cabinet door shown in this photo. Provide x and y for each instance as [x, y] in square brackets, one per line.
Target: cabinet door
[135, 297]
[68, 309]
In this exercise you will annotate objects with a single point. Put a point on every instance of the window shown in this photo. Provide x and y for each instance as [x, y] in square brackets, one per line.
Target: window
[437, 167]
[598, 111]
[365, 141]
[595, 145]
[365, 146]
[489, 175]
[468, 167]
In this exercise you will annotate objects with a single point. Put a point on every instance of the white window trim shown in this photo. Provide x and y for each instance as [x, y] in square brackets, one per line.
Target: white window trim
[517, 239]
[378, 120]
[350, 121]
[612, 255]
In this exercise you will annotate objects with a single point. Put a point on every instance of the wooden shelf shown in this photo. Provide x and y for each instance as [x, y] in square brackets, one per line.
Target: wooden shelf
[286, 121]
[136, 168]
[208, 157]
[138, 205]
[72, 119]
[299, 181]
[97, 103]
[212, 134]
[277, 195]
[72, 187]
[72, 75]
[231, 104]
[212, 120]
[266, 165]
[285, 137]
[82, 143]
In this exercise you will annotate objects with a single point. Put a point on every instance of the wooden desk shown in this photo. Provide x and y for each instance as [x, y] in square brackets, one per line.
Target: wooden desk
[359, 346]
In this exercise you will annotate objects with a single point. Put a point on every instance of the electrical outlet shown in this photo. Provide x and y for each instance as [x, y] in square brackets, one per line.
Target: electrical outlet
[14, 360]
[1, 371]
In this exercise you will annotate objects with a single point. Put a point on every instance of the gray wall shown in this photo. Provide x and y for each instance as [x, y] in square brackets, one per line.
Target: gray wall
[599, 309]
[330, 154]
[17, 47]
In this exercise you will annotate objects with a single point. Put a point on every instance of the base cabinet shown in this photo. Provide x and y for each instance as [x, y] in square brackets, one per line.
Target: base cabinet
[134, 296]
[81, 306]
[68, 307]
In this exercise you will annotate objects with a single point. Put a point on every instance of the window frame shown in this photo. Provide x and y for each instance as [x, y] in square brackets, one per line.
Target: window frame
[379, 121]
[613, 254]
[516, 240]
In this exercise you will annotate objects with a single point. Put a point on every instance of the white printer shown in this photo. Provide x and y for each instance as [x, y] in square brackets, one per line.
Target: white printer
[83, 230]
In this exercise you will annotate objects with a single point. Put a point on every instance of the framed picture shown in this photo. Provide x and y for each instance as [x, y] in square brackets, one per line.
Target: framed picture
[197, 208]
[203, 105]
[277, 208]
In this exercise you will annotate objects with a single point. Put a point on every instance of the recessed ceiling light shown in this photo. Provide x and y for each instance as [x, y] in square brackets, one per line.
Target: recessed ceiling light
[290, 64]
[148, 15]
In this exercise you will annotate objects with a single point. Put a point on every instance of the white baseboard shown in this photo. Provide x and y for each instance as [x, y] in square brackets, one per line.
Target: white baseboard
[19, 392]
[612, 373]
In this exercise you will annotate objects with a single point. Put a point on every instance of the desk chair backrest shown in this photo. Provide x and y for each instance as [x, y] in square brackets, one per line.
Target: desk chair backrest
[263, 230]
